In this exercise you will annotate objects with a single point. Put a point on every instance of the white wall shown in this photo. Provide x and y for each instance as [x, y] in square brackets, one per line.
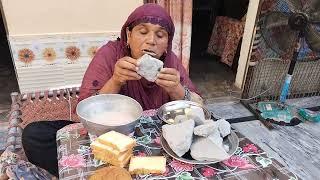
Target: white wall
[66, 16]
[36, 25]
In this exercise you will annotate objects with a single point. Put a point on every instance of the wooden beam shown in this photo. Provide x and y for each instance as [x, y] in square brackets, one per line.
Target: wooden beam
[248, 37]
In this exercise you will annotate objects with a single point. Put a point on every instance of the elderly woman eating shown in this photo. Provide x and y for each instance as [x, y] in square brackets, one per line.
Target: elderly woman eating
[115, 69]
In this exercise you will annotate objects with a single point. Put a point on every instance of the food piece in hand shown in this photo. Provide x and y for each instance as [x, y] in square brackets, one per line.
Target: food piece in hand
[224, 127]
[117, 141]
[111, 173]
[195, 113]
[147, 165]
[203, 149]
[149, 67]
[206, 129]
[179, 136]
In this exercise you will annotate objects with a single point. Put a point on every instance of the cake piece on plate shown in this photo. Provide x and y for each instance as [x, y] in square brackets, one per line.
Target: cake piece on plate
[179, 136]
[206, 129]
[203, 149]
[224, 127]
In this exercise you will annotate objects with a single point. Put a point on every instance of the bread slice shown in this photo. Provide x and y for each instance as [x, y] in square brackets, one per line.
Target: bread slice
[109, 155]
[117, 141]
[97, 146]
[121, 162]
[147, 165]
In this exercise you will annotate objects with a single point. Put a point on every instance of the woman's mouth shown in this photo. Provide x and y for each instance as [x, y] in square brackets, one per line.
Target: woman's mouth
[151, 53]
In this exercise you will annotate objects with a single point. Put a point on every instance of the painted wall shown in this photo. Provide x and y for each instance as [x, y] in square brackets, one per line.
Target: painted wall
[53, 41]
[66, 16]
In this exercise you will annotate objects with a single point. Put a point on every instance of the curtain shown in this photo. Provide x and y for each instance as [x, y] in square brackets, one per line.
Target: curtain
[181, 14]
[225, 38]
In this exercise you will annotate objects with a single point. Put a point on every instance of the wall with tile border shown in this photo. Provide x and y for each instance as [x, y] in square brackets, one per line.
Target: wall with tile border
[46, 62]
[53, 42]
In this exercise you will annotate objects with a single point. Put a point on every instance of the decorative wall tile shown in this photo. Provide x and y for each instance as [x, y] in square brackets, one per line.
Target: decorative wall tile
[26, 55]
[49, 54]
[72, 53]
[45, 62]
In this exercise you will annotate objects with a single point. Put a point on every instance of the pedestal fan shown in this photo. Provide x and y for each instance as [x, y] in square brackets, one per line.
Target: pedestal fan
[289, 31]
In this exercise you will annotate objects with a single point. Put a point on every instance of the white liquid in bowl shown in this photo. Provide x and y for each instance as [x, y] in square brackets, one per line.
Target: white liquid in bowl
[113, 118]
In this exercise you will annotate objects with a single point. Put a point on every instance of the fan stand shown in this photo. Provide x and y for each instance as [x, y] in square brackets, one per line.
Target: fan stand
[298, 21]
[288, 78]
[284, 93]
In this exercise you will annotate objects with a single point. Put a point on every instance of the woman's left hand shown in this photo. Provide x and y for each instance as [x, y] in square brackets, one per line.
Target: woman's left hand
[169, 79]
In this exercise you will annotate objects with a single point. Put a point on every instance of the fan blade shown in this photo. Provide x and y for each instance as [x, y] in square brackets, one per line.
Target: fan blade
[276, 19]
[313, 11]
[294, 5]
[278, 34]
[313, 38]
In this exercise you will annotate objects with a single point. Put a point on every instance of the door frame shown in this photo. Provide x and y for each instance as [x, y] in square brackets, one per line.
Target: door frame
[246, 45]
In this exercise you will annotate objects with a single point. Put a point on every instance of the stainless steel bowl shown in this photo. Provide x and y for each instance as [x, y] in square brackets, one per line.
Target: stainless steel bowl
[170, 110]
[89, 108]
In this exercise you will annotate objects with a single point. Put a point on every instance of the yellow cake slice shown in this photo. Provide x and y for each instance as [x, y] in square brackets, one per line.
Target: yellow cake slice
[121, 162]
[110, 156]
[97, 146]
[117, 141]
[147, 165]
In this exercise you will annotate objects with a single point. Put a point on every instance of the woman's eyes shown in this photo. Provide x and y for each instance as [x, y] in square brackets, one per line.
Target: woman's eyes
[159, 34]
[143, 32]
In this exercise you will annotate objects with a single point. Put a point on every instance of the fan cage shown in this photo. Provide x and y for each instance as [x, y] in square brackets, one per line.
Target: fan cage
[264, 81]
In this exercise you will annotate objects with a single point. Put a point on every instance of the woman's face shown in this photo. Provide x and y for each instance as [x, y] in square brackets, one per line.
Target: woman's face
[147, 38]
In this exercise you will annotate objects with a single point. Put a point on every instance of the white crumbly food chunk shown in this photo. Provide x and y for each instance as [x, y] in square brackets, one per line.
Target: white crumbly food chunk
[170, 120]
[216, 138]
[195, 113]
[224, 127]
[206, 129]
[203, 149]
[226, 147]
[177, 107]
[207, 144]
[180, 118]
[179, 136]
[149, 67]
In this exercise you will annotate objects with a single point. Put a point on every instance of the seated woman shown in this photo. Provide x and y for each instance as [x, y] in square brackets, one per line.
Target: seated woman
[149, 29]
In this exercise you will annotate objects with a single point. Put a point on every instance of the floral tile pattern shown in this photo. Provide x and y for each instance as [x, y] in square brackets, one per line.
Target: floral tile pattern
[26, 55]
[72, 53]
[49, 54]
[62, 58]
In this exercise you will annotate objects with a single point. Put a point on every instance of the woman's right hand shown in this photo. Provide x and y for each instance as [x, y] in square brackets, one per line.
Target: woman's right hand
[125, 70]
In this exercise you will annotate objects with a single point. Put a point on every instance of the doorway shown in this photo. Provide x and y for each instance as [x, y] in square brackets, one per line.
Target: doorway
[209, 70]
[8, 80]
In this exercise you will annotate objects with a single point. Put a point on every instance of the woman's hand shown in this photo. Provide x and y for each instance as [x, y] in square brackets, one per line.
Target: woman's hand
[125, 70]
[169, 80]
